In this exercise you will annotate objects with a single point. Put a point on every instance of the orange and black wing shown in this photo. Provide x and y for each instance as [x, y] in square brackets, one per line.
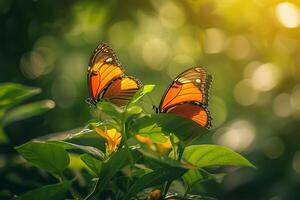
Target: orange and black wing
[120, 91]
[193, 111]
[104, 67]
[190, 86]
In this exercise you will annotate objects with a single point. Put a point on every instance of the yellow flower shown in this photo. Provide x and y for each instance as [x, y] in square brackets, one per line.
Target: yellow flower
[154, 194]
[161, 147]
[113, 138]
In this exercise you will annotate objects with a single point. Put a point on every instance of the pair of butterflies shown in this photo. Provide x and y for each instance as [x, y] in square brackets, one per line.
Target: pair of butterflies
[187, 96]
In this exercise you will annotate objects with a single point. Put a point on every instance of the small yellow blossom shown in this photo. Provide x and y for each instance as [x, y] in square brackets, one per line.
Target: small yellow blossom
[113, 138]
[154, 194]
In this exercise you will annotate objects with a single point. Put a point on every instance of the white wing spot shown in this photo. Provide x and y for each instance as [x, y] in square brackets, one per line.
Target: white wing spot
[198, 81]
[198, 69]
[108, 60]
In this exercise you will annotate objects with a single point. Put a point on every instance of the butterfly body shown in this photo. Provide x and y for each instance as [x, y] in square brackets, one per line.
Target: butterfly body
[187, 96]
[106, 78]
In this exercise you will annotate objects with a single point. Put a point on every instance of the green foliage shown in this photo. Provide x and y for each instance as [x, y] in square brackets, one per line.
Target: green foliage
[186, 130]
[194, 176]
[12, 94]
[213, 155]
[50, 157]
[26, 111]
[141, 93]
[48, 192]
[154, 178]
[131, 167]
[94, 164]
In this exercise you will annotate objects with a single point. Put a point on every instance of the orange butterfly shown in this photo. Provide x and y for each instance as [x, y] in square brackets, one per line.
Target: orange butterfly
[187, 96]
[106, 78]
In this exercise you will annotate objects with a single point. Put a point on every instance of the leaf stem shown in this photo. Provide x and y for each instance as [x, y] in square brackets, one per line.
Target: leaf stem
[124, 136]
[168, 183]
[94, 191]
[71, 190]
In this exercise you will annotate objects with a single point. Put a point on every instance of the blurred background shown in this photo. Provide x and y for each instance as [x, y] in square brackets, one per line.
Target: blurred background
[250, 47]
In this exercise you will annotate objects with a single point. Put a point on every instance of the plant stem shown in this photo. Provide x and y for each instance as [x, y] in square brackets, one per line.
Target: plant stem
[124, 136]
[71, 190]
[93, 192]
[168, 183]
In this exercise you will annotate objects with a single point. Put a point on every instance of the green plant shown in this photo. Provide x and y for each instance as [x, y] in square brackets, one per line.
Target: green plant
[126, 168]
[11, 94]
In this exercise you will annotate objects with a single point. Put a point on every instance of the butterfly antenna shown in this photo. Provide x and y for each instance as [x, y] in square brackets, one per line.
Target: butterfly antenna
[154, 107]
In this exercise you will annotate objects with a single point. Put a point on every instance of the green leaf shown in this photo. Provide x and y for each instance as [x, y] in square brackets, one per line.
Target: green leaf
[140, 93]
[13, 93]
[94, 164]
[133, 111]
[193, 176]
[212, 155]
[50, 157]
[184, 129]
[188, 197]
[3, 137]
[164, 160]
[156, 137]
[141, 172]
[26, 111]
[110, 109]
[117, 161]
[88, 149]
[48, 192]
[154, 178]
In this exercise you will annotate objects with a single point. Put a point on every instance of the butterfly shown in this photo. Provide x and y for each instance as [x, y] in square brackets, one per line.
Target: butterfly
[106, 78]
[187, 96]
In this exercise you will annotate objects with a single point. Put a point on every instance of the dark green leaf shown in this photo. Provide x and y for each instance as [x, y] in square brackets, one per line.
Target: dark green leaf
[50, 157]
[3, 137]
[184, 129]
[26, 111]
[48, 192]
[140, 93]
[188, 197]
[117, 161]
[163, 160]
[94, 164]
[154, 178]
[212, 155]
[88, 149]
[13, 93]
[194, 176]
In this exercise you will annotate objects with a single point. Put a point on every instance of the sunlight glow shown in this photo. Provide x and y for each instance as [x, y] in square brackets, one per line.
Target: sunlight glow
[238, 136]
[244, 94]
[155, 51]
[282, 106]
[265, 77]
[288, 14]
[295, 98]
[171, 15]
[214, 41]
[238, 47]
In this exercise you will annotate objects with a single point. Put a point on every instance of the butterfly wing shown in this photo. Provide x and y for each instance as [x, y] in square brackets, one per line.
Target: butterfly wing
[193, 111]
[120, 91]
[190, 86]
[104, 67]
[187, 96]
